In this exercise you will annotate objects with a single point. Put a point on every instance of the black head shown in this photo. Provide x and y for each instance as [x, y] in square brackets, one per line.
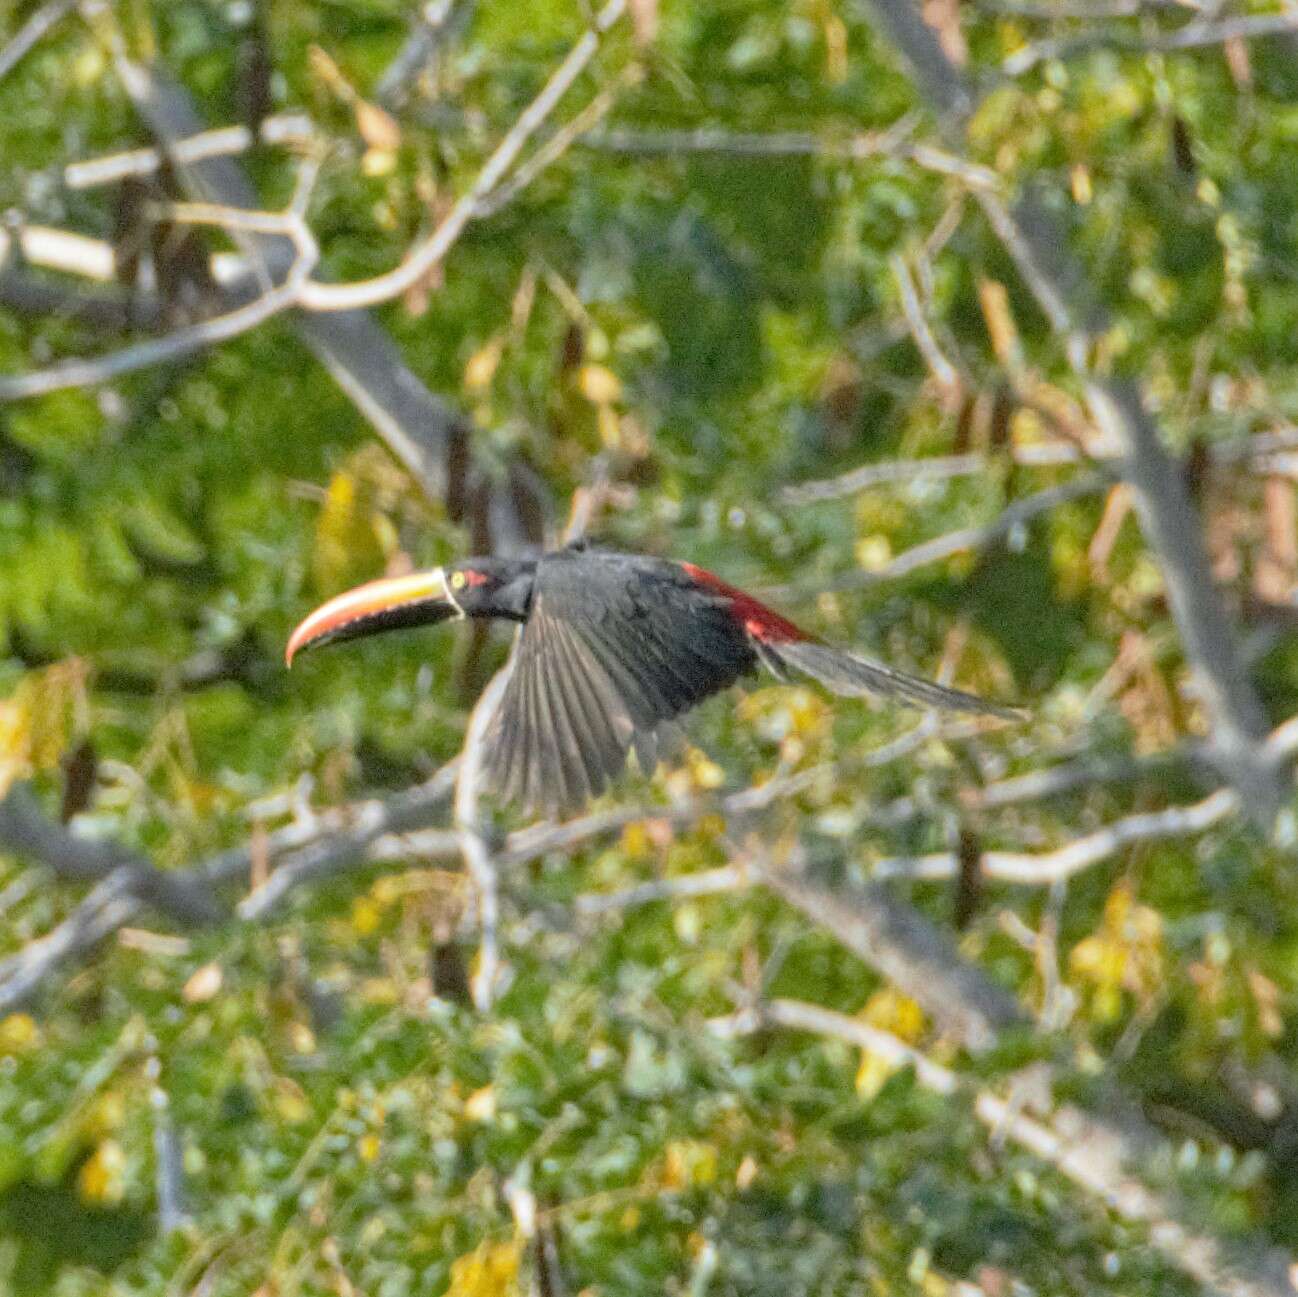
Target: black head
[478, 587]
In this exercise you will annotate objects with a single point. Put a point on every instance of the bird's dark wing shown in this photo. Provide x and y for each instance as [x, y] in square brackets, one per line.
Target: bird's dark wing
[850, 675]
[613, 647]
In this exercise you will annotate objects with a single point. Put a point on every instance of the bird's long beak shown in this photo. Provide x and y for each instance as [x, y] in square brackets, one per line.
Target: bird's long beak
[418, 599]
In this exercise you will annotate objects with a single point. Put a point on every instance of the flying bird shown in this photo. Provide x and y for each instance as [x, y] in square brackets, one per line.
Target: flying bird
[612, 647]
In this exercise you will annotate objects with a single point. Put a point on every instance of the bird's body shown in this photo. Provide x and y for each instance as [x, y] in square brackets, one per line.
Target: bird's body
[612, 647]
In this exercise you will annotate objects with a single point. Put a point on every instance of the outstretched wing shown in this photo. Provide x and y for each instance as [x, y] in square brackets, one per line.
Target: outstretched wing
[613, 647]
[849, 675]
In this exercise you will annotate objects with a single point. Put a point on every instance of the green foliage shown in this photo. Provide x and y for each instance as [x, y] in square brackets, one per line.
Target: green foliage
[345, 1128]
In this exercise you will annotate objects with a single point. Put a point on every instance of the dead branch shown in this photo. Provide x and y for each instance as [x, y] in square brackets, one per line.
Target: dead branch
[340, 842]
[157, 351]
[1072, 776]
[944, 372]
[41, 21]
[1263, 452]
[109, 906]
[434, 26]
[1103, 1155]
[891, 143]
[1194, 35]
[1045, 868]
[293, 130]
[902, 945]
[1167, 514]
[980, 537]
[26, 832]
[707, 882]
[310, 851]
[472, 839]
[424, 256]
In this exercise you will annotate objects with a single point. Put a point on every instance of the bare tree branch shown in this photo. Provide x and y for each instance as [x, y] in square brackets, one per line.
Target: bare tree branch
[903, 946]
[293, 129]
[435, 25]
[1015, 515]
[473, 843]
[893, 142]
[1263, 452]
[341, 847]
[424, 256]
[1044, 868]
[26, 832]
[156, 351]
[1194, 35]
[109, 906]
[41, 21]
[419, 428]
[1167, 514]
[1102, 1155]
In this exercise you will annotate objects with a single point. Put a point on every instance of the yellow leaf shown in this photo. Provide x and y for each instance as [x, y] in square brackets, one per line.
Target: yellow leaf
[101, 1179]
[366, 915]
[39, 719]
[482, 365]
[635, 840]
[18, 1033]
[599, 384]
[873, 552]
[894, 1013]
[290, 1101]
[687, 1163]
[872, 1073]
[491, 1270]
[1125, 953]
[899, 1016]
[377, 128]
[378, 162]
[481, 1105]
[704, 771]
[354, 538]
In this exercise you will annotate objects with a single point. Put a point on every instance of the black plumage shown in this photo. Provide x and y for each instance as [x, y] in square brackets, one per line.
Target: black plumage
[612, 648]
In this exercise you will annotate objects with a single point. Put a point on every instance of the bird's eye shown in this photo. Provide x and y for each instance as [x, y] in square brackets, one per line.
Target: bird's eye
[458, 580]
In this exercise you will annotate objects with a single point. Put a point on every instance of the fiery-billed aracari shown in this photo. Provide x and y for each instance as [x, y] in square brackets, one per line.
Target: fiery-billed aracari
[612, 647]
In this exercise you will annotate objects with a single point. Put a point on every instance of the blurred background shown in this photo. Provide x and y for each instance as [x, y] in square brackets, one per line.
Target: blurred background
[966, 338]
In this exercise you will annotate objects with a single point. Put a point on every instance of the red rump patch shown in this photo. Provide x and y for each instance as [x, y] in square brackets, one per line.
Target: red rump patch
[758, 620]
[473, 578]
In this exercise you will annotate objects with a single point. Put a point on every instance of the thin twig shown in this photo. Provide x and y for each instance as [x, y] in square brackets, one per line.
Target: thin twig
[473, 843]
[424, 256]
[1100, 1154]
[1194, 35]
[111, 905]
[707, 882]
[183, 341]
[943, 371]
[289, 129]
[43, 20]
[902, 944]
[891, 143]
[1015, 515]
[558, 144]
[1044, 868]
[436, 24]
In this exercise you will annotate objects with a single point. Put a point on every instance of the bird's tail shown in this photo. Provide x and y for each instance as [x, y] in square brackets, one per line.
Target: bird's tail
[851, 676]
